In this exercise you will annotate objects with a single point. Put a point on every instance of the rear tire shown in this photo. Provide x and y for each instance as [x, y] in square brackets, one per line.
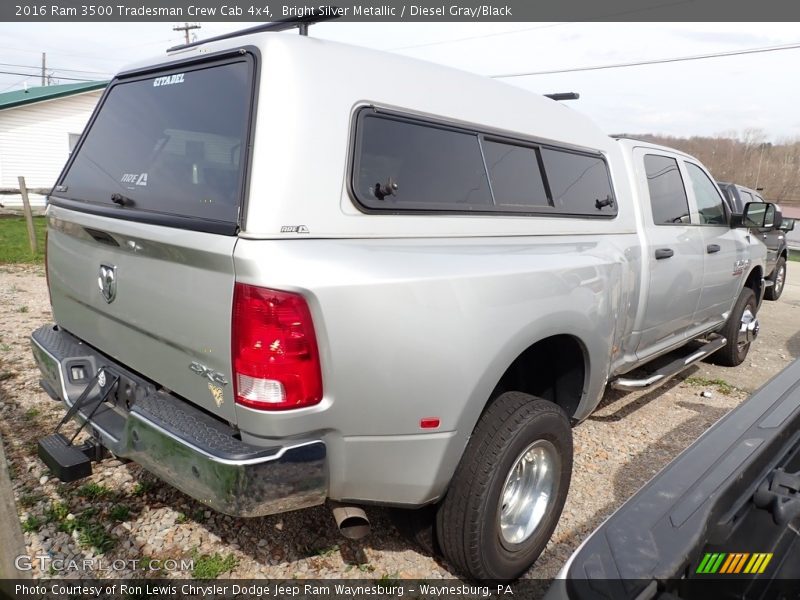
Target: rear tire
[508, 491]
[778, 280]
[735, 350]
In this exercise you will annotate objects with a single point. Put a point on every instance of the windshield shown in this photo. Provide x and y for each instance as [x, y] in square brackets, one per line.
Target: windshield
[170, 143]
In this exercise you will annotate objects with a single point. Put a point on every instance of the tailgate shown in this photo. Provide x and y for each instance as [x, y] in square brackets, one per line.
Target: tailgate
[144, 220]
[171, 306]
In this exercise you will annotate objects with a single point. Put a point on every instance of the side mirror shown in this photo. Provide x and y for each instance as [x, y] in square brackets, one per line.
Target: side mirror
[787, 225]
[757, 215]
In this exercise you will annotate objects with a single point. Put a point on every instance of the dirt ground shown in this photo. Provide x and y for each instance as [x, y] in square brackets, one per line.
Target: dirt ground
[124, 513]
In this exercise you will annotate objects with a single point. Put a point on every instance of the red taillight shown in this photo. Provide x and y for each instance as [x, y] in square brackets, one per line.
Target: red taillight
[275, 357]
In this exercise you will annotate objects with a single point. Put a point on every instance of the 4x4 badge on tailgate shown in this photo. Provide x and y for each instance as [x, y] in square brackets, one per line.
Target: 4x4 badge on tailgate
[212, 376]
[107, 281]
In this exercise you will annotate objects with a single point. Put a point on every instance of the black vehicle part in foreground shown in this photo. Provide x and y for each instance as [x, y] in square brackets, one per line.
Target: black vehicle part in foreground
[735, 491]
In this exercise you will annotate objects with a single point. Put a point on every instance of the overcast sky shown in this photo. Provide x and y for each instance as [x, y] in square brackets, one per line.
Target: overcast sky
[701, 97]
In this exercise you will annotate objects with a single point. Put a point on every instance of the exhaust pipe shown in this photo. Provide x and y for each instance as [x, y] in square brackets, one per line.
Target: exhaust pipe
[351, 520]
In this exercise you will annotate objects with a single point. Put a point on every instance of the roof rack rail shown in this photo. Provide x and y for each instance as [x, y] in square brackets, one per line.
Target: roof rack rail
[316, 15]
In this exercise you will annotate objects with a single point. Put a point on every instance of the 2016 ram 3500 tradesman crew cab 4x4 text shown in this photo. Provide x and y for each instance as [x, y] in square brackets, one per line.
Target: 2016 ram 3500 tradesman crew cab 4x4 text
[278, 280]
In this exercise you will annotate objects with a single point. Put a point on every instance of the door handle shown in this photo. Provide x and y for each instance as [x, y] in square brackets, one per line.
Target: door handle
[664, 253]
[711, 248]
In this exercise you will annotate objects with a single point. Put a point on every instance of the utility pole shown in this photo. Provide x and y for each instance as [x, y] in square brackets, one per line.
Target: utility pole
[44, 67]
[185, 29]
[760, 160]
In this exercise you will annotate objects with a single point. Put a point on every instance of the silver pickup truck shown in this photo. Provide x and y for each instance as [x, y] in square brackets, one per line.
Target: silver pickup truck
[285, 271]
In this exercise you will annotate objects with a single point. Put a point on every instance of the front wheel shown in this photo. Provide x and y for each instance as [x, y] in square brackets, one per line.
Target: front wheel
[509, 489]
[778, 280]
[740, 330]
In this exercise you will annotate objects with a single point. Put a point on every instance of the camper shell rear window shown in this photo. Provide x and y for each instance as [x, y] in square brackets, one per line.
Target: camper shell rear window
[167, 147]
[407, 164]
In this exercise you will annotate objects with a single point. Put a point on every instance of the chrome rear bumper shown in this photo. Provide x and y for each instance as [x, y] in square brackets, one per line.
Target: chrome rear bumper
[184, 446]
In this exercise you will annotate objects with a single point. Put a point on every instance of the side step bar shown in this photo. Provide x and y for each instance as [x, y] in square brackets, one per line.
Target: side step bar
[669, 371]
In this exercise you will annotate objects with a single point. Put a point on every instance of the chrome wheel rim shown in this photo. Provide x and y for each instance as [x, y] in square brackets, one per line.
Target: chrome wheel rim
[528, 491]
[748, 329]
[780, 277]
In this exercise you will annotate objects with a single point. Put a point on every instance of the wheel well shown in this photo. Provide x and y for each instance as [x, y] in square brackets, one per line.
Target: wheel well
[553, 368]
[754, 282]
[784, 254]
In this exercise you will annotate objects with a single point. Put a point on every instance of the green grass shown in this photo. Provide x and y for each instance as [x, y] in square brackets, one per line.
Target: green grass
[29, 500]
[199, 516]
[723, 387]
[324, 552]
[31, 524]
[211, 567]
[95, 536]
[57, 511]
[143, 487]
[94, 491]
[91, 533]
[120, 512]
[794, 255]
[14, 244]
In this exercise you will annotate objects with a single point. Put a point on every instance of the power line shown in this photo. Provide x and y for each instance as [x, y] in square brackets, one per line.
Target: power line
[37, 75]
[657, 61]
[16, 83]
[49, 68]
[560, 24]
[474, 37]
[60, 53]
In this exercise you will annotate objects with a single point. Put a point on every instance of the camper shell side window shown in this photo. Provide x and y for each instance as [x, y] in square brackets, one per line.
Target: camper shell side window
[405, 164]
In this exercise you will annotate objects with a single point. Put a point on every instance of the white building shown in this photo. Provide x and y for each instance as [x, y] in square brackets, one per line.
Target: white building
[38, 129]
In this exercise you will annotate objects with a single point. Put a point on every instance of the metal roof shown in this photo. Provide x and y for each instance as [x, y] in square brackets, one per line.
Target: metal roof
[49, 92]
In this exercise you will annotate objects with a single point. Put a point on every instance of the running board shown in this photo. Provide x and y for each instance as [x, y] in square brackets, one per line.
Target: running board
[669, 371]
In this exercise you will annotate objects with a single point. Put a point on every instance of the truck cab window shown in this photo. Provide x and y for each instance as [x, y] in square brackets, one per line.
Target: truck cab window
[667, 194]
[709, 202]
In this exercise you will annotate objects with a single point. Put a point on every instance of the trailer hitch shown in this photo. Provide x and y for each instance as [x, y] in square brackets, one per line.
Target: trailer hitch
[64, 459]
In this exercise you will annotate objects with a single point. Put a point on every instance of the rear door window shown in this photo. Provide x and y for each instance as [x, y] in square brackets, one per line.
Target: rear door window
[171, 144]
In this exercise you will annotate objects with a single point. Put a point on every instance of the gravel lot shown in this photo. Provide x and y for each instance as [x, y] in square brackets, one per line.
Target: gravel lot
[131, 515]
